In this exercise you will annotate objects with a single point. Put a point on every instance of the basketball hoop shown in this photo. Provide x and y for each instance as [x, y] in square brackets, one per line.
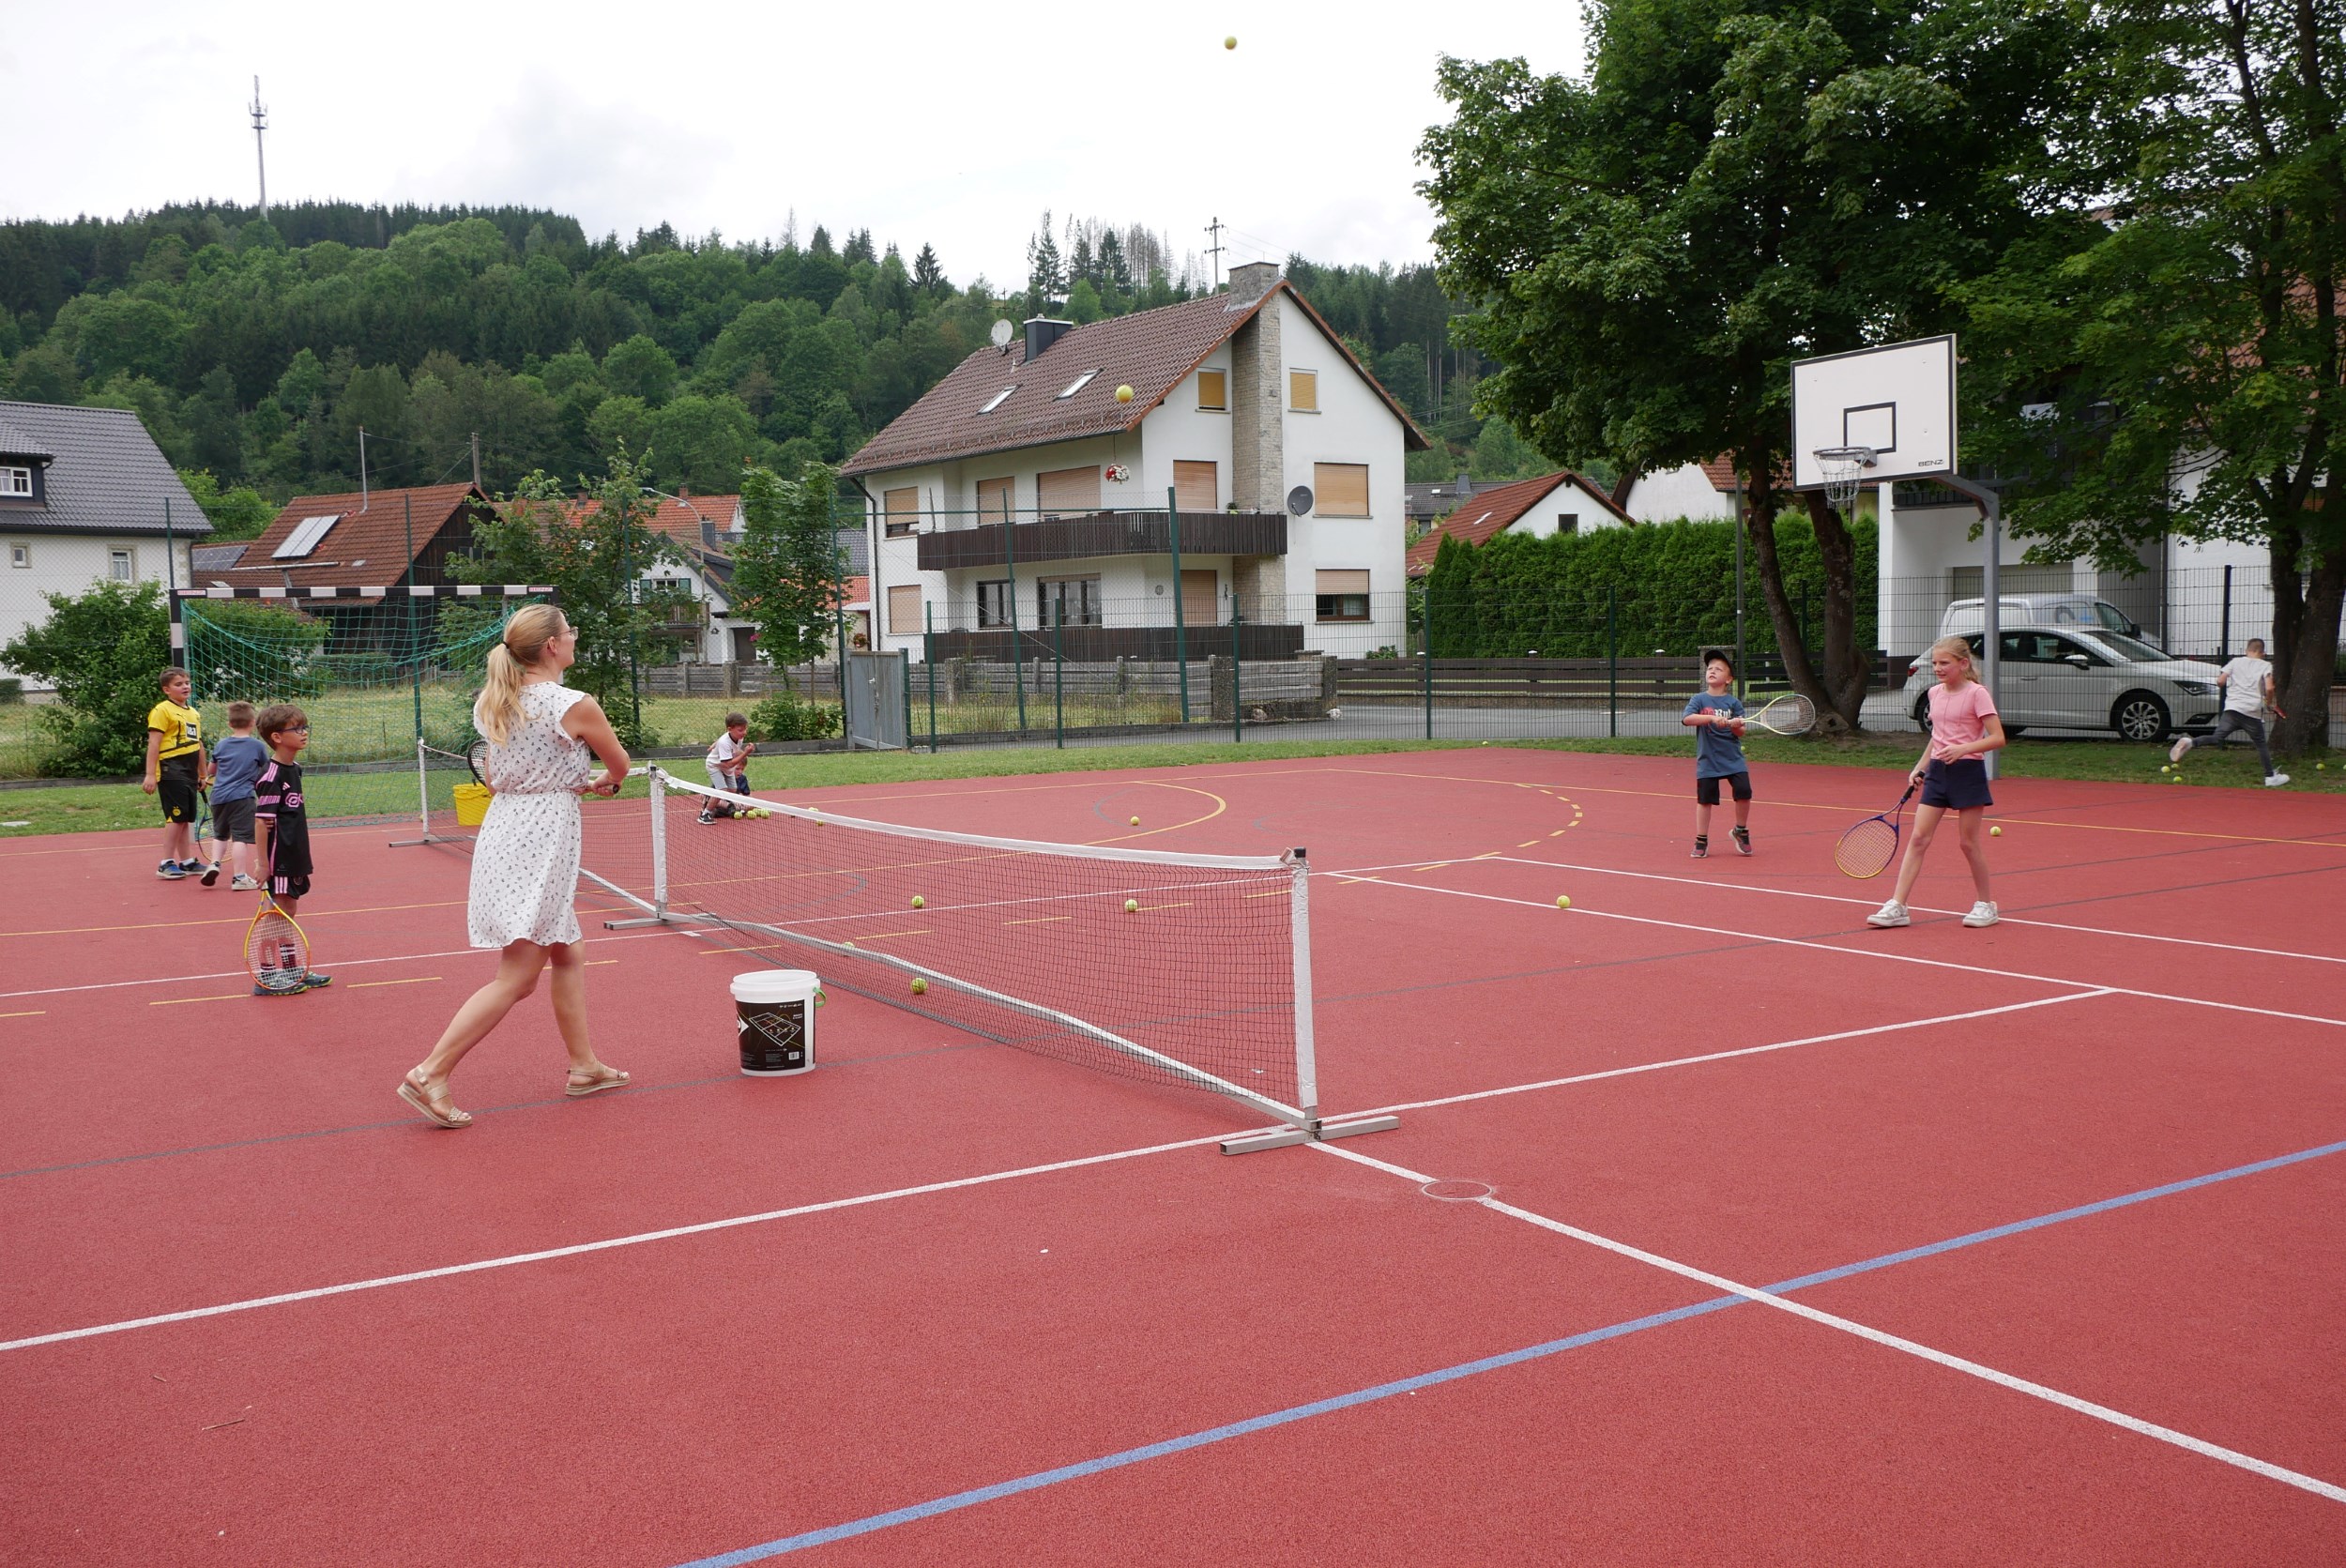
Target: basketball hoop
[1844, 470]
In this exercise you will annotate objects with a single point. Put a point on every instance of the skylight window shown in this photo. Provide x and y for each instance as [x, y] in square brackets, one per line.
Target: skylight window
[307, 536]
[1077, 384]
[995, 400]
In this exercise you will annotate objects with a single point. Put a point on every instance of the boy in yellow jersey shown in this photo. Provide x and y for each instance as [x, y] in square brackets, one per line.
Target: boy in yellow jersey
[177, 768]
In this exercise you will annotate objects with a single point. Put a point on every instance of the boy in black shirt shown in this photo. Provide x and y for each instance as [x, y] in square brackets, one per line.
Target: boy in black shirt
[280, 818]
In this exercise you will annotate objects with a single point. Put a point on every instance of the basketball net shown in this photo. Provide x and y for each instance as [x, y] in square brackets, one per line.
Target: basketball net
[1844, 469]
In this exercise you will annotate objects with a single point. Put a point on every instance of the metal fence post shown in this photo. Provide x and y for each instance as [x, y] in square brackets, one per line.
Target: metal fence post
[928, 659]
[2224, 645]
[1058, 673]
[1612, 659]
[1425, 655]
[1010, 596]
[1238, 710]
[1180, 618]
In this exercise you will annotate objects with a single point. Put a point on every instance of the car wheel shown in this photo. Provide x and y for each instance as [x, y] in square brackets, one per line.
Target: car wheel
[1922, 712]
[2016, 729]
[2141, 716]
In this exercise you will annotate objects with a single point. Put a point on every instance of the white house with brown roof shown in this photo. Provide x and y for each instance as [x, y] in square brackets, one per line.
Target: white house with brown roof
[1021, 491]
[1699, 492]
[1564, 502]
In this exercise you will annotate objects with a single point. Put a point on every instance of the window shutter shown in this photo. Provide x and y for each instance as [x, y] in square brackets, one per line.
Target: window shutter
[994, 499]
[1340, 582]
[903, 610]
[1196, 486]
[1068, 490]
[1304, 392]
[903, 508]
[1213, 389]
[1340, 489]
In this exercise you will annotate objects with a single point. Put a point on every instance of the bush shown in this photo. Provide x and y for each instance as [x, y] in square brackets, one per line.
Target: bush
[102, 651]
[788, 716]
[12, 692]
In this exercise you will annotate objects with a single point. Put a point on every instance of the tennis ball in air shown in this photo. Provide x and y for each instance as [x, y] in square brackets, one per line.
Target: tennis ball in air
[1562, 903]
[1123, 394]
[1132, 906]
[919, 902]
[1135, 822]
[1230, 43]
[920, 987]
[1995, 832]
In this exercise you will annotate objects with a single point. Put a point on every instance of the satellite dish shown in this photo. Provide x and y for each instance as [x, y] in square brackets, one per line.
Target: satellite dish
[1300, 500]
[1003, 330]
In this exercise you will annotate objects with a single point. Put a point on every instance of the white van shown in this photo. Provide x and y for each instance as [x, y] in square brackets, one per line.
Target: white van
[2081, 611]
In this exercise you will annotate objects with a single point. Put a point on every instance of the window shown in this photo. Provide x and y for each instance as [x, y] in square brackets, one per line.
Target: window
[1196, 486]
[1075, 385]
[994, 603]
[122, 566]
[904, 611]
[1066, 491]
[996, 400]
[1067, 601]
[1340, 489]
[994, 499]
[19, 554]
[1213, 390]
[903, 509]
[1340, 595]
[307, 536]
[1568, 523]
[1304, 392]
[15, 484]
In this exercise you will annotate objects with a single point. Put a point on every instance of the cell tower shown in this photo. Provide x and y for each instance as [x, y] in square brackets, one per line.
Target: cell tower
[260, 124]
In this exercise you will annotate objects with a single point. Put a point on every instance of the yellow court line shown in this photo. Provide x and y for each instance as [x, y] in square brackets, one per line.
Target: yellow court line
[412, 980]
[1042, 919]
[1281, 892]
[1146, 908]
[37, 1013]
[181, 1001]
[233, 919]
[882, 936]
[592, 962]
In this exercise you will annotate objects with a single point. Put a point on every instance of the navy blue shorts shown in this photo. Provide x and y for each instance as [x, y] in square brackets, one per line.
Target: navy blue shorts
[1956, 785]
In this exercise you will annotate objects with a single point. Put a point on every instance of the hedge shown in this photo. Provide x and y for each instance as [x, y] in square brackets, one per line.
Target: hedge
[1670, 586]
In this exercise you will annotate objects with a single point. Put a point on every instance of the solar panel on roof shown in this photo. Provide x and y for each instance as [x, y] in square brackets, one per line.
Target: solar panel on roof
[307, 535]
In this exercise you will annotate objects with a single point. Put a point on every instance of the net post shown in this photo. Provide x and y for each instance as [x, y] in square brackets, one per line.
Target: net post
[424, 787]
[659, 842]
[1300, 927]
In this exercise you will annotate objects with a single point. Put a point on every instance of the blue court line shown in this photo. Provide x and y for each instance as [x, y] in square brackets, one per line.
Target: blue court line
[957, 1501]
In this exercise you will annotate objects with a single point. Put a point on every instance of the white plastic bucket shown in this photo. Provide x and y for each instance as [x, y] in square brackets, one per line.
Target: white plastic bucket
[774, 1017]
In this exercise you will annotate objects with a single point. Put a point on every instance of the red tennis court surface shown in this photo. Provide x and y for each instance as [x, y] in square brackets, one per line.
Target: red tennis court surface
[1718, 1228]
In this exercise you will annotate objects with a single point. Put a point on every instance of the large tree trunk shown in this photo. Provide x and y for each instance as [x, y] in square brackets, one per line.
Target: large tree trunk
[1758, 526]
[1847, 668]
[2305, 642]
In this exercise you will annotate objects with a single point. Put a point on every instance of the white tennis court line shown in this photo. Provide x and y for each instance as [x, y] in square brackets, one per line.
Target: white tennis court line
[1862, 903]
[642, 1238]
[1870, 952]
[1895, 1341]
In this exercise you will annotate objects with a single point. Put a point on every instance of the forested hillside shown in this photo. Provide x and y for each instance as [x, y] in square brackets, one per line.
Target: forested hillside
[257, 352]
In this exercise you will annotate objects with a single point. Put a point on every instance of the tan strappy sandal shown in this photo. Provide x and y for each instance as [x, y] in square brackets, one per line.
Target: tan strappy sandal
[434, 1108]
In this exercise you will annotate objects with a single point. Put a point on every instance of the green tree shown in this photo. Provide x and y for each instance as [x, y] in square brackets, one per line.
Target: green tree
[103, 650]
[2179, 366]
[593, 551]
[788, 573]
[242, 513]
[640, 367]
[1652, 246]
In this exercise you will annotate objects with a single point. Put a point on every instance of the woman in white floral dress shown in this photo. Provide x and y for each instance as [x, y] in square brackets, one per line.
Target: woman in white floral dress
[525, 862]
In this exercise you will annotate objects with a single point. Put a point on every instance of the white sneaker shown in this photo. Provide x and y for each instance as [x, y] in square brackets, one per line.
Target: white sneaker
[1891, 913]
[244, 884]
[2273, 781]
[1983, 913]
[2174, 752]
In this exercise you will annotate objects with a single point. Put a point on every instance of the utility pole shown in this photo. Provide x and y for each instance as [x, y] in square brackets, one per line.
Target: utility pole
[260, 124]
[476, 460]
[1214, 249]
[362, 467]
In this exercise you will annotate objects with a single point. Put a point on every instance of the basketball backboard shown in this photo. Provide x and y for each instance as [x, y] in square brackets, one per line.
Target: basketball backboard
[1899, 400]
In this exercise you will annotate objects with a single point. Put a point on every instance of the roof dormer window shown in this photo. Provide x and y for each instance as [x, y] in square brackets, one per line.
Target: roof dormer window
[1076, 385]
[999, 398]
[16, 483]
[307, 536]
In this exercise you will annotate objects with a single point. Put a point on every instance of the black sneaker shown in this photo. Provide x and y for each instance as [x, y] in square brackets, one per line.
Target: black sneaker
[317, 981]
[211, 874]
[1743, 840]
[1701, 850]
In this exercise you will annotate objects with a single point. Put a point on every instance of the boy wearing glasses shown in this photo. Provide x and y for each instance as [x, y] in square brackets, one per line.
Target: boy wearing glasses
[280, 818]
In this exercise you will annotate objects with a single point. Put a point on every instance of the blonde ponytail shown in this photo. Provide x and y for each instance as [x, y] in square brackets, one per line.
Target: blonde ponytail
[498, 707]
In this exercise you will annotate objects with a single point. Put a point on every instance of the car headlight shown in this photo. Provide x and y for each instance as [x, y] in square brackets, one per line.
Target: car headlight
[2196, 688]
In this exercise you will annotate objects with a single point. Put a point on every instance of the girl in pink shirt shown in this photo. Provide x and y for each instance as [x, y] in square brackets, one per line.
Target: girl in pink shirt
[1964, 727]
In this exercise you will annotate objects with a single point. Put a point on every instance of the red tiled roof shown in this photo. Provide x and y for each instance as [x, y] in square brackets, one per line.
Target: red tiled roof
[367, 548]
[1492, 512]
[680, 516]
[1149, 351]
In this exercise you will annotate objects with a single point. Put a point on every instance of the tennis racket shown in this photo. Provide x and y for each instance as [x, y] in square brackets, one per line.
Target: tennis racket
[1790, 714]
[276, 950]
[1868, 849]
[477, 758]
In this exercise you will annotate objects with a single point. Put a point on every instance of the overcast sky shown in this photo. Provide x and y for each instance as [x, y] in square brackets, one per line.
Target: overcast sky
[935, 122]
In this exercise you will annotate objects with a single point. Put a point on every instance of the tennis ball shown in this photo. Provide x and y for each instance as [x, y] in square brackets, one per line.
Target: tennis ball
[919, 902]
[1562, 903]
[1230, 43]
[2164, 768]
[1123, 394]
[2321, 767]
[1132, 906]
[1135, 822]
[920, 987]
[1995, 832]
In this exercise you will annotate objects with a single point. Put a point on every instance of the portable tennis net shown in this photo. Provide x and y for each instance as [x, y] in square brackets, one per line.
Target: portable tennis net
[1186, 970]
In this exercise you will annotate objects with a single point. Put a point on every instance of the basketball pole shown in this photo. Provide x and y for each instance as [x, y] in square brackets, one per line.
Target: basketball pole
[1991, 589]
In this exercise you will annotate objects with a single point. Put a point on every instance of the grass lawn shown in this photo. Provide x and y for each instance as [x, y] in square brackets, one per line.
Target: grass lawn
[97, 808]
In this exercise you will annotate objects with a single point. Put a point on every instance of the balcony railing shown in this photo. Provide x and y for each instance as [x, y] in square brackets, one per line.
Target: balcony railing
[1105, 533]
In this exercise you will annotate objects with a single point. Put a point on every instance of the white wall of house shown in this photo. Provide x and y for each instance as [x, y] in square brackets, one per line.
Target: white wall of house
[1571, 507]
[1353, 425]
[715, 645]
[1670, 493]
[73, 564]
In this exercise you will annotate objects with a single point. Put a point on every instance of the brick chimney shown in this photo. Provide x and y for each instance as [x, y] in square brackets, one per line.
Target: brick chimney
[1251, 281]
[1257, 431]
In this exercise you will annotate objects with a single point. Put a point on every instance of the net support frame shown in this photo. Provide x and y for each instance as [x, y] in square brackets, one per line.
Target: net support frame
[1299, 1123]
[423, 803]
